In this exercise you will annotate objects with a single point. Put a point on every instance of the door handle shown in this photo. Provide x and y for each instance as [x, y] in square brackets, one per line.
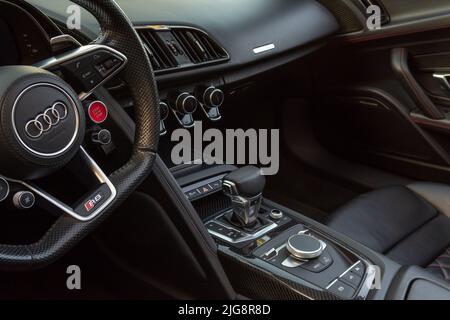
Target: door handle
[399, 61]
[443, 77]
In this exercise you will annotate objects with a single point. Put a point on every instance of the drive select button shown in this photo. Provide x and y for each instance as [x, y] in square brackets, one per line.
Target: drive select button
[342, 289]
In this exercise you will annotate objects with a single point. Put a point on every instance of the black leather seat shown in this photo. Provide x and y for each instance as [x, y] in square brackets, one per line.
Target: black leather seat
[411, 225]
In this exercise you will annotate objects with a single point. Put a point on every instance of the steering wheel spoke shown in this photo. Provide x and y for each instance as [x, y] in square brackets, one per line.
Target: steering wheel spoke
[89, 206]
[87, 67]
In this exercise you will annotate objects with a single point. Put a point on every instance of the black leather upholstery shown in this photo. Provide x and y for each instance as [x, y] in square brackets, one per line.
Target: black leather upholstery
[399, 223]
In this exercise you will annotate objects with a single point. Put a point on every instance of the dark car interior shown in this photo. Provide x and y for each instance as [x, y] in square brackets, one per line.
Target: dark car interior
[360, 206]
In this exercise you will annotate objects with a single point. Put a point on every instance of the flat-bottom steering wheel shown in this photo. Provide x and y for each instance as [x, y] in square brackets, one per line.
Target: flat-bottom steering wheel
[42, 127]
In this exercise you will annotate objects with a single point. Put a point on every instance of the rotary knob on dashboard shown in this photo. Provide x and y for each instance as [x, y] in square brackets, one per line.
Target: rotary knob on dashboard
[163, 110]
[184, 102]
[210, 97]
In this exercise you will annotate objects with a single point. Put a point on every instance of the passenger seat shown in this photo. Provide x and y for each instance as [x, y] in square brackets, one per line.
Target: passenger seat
[410, 225]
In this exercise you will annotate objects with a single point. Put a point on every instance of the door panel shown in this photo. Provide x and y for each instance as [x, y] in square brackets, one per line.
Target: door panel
[381, 102]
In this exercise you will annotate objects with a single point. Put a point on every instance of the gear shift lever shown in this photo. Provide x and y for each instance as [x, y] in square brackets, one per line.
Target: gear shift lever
[244, 187]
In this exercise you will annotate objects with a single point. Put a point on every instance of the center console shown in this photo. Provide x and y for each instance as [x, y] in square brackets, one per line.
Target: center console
[271, 252]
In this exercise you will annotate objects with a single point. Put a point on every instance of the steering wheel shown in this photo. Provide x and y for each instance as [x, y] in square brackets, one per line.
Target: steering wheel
[42, 127]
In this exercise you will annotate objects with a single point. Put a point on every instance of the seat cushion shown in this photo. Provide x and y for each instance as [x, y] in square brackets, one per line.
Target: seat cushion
[423, 245]
[383, 218]
[396, 222]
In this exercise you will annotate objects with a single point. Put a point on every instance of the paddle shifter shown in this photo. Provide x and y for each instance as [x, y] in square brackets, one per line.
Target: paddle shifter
[244, 187]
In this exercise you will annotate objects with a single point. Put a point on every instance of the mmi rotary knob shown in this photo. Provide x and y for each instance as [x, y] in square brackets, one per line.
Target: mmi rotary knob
[304, 247]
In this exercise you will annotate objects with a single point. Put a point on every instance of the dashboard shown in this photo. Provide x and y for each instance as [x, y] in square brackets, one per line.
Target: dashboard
[196, 50]
[9, 55]
[24, 41]
[249, 31]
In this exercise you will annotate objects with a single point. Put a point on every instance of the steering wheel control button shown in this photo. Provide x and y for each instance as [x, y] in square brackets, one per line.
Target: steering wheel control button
[303, 246]
[91, 69]
[4, 189]
[98, 112]
[342, 289]
[108, 66]
[91, 82]
[276, 214]
[24, 200]
[102, 137]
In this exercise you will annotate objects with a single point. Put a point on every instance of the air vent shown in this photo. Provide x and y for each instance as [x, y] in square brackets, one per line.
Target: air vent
[160, 55]
[384, 15]
[199, 46]
[174, 48]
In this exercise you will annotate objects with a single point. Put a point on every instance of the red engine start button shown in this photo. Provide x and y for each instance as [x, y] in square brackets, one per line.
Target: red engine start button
[98, 112]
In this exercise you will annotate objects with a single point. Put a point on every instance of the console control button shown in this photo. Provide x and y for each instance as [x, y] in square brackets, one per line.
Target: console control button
[304, 246]
[205, 189]
[352, 279]
[216, 185]
[234, 235]
[213, 226]
[230, 233]
[358, 269]
[193, 194]
[326, 259]
[290, 262]
[342, 289]
[24, 200]
[269, 255]
[4, 189]
[314, 266]
[276, 214]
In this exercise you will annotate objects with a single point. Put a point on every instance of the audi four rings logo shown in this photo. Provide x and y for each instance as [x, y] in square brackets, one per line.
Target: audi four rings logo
[47, 120]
